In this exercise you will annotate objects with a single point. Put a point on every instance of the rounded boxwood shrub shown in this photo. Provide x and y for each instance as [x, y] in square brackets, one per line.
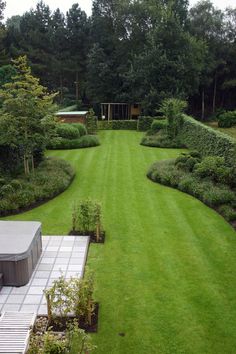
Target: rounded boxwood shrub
[67, 131]
[81, 128]
[227, 119]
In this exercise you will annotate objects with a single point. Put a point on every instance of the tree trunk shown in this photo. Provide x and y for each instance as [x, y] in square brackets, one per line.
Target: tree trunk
[77, 86]
[98, 232]
[61, 89]
[89, 313]
[26, 164]
[49, 309]
[203, 104]
[214, 94]
[32, 163]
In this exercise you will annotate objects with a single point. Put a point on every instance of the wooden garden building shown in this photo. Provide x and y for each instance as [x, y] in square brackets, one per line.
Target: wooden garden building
[120, 111]
[72, 117]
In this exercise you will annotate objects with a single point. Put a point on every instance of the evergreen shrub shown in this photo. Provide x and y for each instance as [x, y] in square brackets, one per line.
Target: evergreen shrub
[227, 119]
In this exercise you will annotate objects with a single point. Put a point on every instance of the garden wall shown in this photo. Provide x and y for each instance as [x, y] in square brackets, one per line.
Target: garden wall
[206, 140]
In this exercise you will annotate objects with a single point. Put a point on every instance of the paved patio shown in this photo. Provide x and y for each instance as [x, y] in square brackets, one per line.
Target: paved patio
[61, 255]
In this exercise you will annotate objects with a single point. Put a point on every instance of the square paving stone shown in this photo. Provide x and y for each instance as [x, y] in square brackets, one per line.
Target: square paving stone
[15, 299]
[36, 290]
[32, 299]
[20, 291]
[10, 307]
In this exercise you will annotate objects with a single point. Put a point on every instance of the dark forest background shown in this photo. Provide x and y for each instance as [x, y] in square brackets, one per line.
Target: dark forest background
[129, 51]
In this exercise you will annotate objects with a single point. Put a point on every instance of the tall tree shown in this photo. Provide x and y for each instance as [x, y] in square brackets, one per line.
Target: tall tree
[77, 40]
[26, 113]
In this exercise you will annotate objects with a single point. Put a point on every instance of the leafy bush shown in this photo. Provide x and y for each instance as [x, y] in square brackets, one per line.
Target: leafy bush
[67, 131]
[87, 217]
[228, 212]
[71, 296]
[217, 195]
[214, 168]
[66, 144]
[158, 125]
[207, 141]
[172, 109]
[74, 341]
[227, 119]
[188, 161]
[205, 185]
[81, 128]
[161, 140]
[144, 123]
[71, 131]
[51, 177]
[118, 125]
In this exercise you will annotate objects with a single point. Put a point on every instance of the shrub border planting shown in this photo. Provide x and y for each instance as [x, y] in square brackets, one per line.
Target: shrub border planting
[39, 202]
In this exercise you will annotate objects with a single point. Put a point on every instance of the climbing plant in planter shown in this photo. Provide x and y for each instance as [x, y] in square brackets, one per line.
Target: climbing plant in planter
[87, 220]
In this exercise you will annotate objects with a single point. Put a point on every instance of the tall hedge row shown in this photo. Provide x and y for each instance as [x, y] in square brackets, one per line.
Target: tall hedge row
[118, 125]
[206, 140]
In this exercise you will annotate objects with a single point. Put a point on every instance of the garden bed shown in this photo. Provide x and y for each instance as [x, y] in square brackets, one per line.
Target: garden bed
[209, 179]
[52, 177]
[60, 324]
[91, 234]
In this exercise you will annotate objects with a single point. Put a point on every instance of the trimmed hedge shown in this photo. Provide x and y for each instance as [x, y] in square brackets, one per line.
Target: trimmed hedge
[92, 124]
[145, 122]
[118, 125]
[227, 119]
[207, 141]
[69, 144]
[50, 178]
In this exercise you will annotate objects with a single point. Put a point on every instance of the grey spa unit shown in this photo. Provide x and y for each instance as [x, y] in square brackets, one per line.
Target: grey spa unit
[20, 250]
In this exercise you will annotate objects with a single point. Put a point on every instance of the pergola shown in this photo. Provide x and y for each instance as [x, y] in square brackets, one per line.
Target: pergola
[116, 111]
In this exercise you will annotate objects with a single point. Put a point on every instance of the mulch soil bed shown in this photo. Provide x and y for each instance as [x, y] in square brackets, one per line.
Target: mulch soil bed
[60, 324]
[92, 235]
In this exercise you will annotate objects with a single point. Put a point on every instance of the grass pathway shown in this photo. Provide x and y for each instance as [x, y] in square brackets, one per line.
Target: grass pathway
[166, 276]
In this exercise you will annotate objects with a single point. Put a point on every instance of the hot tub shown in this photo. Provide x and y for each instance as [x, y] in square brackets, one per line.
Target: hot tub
[20, 250]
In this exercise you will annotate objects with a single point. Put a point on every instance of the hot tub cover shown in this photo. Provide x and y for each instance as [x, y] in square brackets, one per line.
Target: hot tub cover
[17, 238]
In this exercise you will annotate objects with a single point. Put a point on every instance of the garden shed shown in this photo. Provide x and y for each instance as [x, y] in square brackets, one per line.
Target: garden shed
[120, 111]
[72, 117]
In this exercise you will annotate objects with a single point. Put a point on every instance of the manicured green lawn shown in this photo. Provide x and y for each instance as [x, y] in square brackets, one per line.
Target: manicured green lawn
[166, 276]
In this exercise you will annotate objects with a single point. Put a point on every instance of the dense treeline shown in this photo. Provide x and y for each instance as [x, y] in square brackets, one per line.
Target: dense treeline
[129, 50]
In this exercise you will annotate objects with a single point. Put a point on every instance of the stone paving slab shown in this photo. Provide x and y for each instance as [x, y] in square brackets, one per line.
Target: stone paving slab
[62, 255]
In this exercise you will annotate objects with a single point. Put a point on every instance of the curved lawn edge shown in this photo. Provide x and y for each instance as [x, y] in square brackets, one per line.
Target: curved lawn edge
[58, 188]
[149, 176]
